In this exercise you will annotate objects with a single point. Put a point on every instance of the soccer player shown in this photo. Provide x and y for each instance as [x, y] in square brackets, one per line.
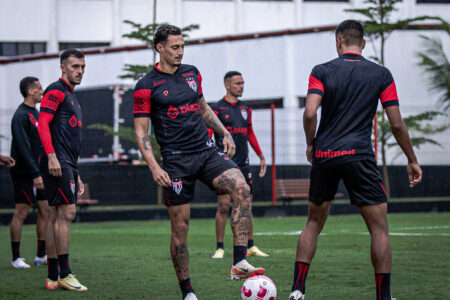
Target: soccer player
[236, 116]
[348, 89]
[171, 96]
[60, 132]
[27, 180]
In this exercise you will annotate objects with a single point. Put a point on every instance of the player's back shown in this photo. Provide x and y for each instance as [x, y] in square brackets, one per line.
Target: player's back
[351, 87]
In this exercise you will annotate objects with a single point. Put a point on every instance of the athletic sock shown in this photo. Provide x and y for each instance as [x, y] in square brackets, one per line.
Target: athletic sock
[41, 248]
[186, 287]
[52, 269]
[383, 285]
[250, 243]
[219, 245]
[64, 266]
[15, 247]
[239, 253]
[300, 273]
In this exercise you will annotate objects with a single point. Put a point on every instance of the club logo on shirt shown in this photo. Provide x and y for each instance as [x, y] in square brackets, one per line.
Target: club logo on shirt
[166, 92]
[244, 113]
[72, 186]
[177, 185]
[172, 112]
[73, 121]
[227, 116]
[192, 83]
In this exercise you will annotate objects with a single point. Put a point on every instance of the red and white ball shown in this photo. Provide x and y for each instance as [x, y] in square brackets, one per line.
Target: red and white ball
[259, 288]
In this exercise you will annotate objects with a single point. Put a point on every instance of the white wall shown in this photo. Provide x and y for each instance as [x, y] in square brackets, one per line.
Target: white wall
[272, 67]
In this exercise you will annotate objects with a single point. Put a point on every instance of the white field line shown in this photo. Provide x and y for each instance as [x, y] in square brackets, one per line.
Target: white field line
[363, 233]
[424, 227]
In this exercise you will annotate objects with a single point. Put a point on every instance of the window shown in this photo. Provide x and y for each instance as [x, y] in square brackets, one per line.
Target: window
[21, 48]
[301, 101]
[80, 45]
[434, 1]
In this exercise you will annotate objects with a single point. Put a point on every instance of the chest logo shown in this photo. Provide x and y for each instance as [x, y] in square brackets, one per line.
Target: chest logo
[172, 112]
[244, 113]
[227, 116]
[192, 83]
[73, 121]
[177, 186]
[166, 92]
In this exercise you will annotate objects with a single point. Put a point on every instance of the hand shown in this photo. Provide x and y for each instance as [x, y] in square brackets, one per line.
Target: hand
[38, 183]
[414, 174]
[8, 161]
[80, 186]
[309, 153]
[161, 177]
[54, 168]
[263, 165]
[228, 145]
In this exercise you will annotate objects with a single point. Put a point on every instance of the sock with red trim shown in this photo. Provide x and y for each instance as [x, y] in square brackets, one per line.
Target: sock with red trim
[239, 253]
[186, 287]
[41, 248]
[64, 266]
[15, 247]
[52, 268]
[300, 274]
[383, 285]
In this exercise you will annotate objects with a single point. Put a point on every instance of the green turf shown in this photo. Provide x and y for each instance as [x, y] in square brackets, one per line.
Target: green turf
[130, 260]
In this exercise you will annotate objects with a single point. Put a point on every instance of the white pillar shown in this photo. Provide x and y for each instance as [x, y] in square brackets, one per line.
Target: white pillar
[52, 45]
[116, 23]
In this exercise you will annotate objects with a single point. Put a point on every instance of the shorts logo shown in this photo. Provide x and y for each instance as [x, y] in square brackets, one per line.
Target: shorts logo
[221, 153]
[177, 185]
[34, 191]
[73, 121]
[210, 143]
[172, 112]
[192, 83]
[244, 113]
[72, 187]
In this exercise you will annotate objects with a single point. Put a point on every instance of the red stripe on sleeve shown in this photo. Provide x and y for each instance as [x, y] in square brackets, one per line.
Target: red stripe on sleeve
[52, 100]
[45, 118]
[389, 94]
[142, 102]
[210, 133]
[251, 134]
[315, 84]
[200, 89]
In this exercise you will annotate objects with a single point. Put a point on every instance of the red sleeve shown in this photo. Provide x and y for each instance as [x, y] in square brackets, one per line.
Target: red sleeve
[251, 134]
[315, 86]
[52, 100]
[200, 89]
[389, 96]
[45, 119]
[142, 103]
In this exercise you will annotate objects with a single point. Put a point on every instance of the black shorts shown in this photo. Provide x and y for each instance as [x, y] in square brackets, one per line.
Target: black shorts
[361, 178]
[25, 191]
[61, 190]
[185, 169]
[248, 178]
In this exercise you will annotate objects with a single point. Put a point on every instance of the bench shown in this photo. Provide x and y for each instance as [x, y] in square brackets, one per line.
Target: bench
[84, 200]
[290, 189]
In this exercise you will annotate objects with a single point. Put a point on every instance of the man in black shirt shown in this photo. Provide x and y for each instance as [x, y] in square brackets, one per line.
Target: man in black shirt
[171, 97]
[60, 124]
[348, 88]
[27, 180]
[236, 116]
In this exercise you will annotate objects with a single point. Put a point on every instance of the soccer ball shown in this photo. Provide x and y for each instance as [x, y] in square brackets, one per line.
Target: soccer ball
[259, 288]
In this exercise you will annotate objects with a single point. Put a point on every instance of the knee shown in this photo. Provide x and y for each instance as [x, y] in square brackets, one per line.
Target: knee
[68, 214]
[180, 229]
[243, 189]
[20, 214]
[44, 213]
[223, 208]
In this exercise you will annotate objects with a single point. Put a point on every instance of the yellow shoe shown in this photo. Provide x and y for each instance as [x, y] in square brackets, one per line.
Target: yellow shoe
[254, 251]
[71, 283]
[219, 253]
[51, 285]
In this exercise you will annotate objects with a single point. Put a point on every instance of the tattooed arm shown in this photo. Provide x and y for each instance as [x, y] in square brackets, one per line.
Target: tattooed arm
[214, 123]
[159, 175]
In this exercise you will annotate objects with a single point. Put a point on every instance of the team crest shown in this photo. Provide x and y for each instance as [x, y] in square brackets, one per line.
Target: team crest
[177, 186]
[72, 187]
[192, 83]
[244, 113]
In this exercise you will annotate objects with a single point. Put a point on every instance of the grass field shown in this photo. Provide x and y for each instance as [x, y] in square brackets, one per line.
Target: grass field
[130, 260]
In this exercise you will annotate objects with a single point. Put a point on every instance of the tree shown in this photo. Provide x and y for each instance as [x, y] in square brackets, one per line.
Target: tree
[436, 68]
[378, 28]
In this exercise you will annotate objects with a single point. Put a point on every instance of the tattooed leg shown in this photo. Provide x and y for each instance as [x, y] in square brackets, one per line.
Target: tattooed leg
[179, 223]
[233, 182]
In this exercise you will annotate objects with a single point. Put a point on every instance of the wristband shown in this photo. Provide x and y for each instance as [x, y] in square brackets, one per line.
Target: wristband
[51, 154]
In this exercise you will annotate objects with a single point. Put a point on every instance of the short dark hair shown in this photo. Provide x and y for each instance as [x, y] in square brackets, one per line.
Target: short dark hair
[351, 31]
[70, 52]
[162, 33]
[230, 74]
[25, 85]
